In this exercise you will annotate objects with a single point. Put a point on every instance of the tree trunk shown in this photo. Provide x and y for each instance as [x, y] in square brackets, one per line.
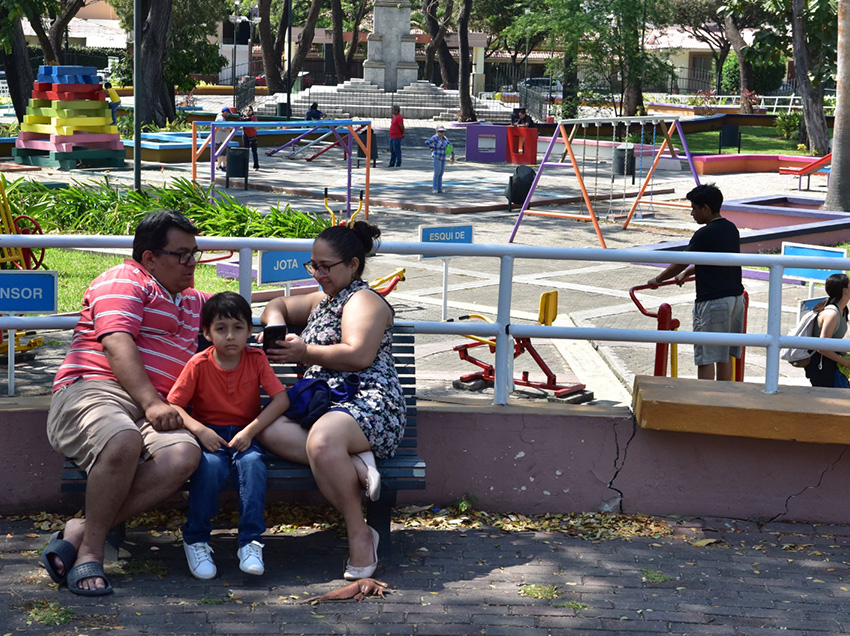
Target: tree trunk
[34, 18]
[745, 69]
[633, 67]
[18, 71]
[467, 112]
[570, 99]
[359, 14]
[438, 46]
[57, 29]
[838, 193]
[816, 130]
[271, 59]
[153, 99]
[342, 73]
[306, 41]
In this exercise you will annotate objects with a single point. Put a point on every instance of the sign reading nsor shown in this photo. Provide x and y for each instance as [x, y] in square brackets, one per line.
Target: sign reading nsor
[28, 292]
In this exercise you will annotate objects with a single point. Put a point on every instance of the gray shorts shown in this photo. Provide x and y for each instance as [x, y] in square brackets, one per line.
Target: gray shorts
[721, 315]
[85, 415]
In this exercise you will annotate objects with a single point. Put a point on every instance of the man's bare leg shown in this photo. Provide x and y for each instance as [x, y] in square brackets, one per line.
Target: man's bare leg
[705, 371]
[725, 370]
[112, 487]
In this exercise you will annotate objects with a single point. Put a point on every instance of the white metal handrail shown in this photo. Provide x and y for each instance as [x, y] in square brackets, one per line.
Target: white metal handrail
[502, 329]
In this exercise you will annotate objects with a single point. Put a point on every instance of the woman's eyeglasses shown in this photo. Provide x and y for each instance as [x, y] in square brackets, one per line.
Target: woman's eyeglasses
[183, 257]
[322, 270]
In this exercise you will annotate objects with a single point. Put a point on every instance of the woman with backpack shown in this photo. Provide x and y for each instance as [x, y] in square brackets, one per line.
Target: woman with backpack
[823, 369]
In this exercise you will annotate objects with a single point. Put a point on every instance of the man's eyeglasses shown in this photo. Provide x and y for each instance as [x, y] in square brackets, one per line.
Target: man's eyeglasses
[183, 257]
[322, 270]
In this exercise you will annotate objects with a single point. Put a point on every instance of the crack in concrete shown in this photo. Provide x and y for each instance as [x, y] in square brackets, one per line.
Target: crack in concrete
[828, 468]
[618, 466]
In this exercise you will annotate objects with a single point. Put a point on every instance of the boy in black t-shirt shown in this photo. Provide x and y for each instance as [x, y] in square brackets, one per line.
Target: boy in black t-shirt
[719, 305]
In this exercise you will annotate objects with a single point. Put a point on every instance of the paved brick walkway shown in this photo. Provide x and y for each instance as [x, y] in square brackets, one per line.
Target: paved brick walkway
[777, 579]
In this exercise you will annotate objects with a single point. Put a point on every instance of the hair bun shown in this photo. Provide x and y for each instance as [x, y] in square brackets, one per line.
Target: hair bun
[367, 234]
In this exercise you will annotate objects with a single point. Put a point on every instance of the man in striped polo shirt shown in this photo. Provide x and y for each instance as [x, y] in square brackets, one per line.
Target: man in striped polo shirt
[138, 328]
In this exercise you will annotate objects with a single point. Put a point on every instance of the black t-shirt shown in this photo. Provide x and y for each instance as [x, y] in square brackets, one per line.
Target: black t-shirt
[714, 281]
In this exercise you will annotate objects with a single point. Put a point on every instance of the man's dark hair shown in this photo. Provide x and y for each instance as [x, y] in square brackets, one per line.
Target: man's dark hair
[226, 305]
[707, 194]
[152, 231]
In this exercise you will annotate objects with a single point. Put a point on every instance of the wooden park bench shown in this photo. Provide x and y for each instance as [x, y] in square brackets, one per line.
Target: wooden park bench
[404, 471]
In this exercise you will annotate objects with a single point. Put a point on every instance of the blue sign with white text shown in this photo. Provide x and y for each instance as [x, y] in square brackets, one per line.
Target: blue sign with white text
[444, 234]
[28, 292]
[282, 267]
[800, 249]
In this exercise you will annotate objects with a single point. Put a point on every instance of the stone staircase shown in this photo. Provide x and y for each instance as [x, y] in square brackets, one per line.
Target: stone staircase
[358, 98]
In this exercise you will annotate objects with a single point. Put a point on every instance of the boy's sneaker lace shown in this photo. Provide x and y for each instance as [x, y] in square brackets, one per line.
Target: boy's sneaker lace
[251, 558]
[199, 557]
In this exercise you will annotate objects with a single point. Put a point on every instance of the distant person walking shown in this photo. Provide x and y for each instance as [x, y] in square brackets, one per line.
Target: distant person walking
[221, 137]
[438, 145]
[313, 112]
[249, 135]
[114, 101]
[396, 135]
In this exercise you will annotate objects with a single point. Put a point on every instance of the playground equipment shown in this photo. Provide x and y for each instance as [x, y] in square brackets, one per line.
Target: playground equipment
[345, 132]
[385, 284]
[666, 322]
[21, 258]
[821, 166]
[615, 129]
[68, 121]
[547, 312]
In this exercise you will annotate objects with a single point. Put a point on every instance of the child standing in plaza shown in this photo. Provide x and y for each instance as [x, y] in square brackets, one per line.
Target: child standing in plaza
[438, 145]
[222, 386]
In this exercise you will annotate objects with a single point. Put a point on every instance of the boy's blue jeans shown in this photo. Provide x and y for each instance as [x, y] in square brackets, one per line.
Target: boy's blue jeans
[210, 479]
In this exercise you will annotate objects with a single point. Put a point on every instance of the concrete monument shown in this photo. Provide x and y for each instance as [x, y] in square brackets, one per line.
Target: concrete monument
[391, 59]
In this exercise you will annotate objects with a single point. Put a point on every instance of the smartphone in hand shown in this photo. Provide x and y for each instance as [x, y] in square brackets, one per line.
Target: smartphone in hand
[271, 334]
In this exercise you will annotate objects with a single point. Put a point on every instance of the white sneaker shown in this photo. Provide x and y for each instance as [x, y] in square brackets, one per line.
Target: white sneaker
[200, 560]
[251, 558]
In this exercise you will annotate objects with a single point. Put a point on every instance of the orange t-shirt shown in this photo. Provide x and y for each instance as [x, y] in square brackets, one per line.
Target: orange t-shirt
[225, 397]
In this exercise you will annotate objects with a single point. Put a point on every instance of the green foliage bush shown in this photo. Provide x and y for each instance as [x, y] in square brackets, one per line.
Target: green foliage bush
[85, 208]
[766, 77]
[787, 125]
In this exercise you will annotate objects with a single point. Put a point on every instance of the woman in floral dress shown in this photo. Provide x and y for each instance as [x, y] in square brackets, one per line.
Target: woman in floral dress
[348, 331]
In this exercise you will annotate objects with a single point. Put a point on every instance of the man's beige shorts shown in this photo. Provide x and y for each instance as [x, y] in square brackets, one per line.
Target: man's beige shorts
[85, 415]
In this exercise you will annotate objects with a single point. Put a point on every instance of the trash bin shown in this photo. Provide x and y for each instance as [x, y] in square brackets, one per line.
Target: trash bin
[729, 134]
[237, 165]
[624, 159]
[373, 149]
[284, 110]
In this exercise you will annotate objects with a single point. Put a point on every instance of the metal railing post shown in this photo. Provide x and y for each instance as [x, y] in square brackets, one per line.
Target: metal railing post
[774, 329]
[503, 383]
[245, 272]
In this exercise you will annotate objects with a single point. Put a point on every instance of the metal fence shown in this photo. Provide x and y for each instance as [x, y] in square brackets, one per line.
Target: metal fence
[503, 330]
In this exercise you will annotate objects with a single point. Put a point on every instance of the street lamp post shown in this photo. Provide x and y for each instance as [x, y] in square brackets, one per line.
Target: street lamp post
[525, 84]
[235, 19]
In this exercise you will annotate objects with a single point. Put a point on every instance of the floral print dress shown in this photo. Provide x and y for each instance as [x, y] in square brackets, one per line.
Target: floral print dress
[378, 406]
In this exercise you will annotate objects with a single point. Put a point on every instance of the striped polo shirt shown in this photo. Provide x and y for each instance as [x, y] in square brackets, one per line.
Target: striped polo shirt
[127, 298]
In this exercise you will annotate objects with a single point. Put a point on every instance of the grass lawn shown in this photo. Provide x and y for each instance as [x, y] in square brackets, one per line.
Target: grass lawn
[754, 139]
[78, 269]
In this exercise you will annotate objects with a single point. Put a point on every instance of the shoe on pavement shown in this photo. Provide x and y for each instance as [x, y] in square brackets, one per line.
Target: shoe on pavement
[199, 557]
[251, 558]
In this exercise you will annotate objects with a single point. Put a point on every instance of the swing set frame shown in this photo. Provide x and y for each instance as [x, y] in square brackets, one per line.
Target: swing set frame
[612, 125]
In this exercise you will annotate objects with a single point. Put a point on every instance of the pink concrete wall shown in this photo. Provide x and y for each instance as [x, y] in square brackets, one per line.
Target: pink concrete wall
[539, 458]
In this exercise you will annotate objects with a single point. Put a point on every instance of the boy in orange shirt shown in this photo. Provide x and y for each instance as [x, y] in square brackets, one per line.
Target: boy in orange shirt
[222, 385]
